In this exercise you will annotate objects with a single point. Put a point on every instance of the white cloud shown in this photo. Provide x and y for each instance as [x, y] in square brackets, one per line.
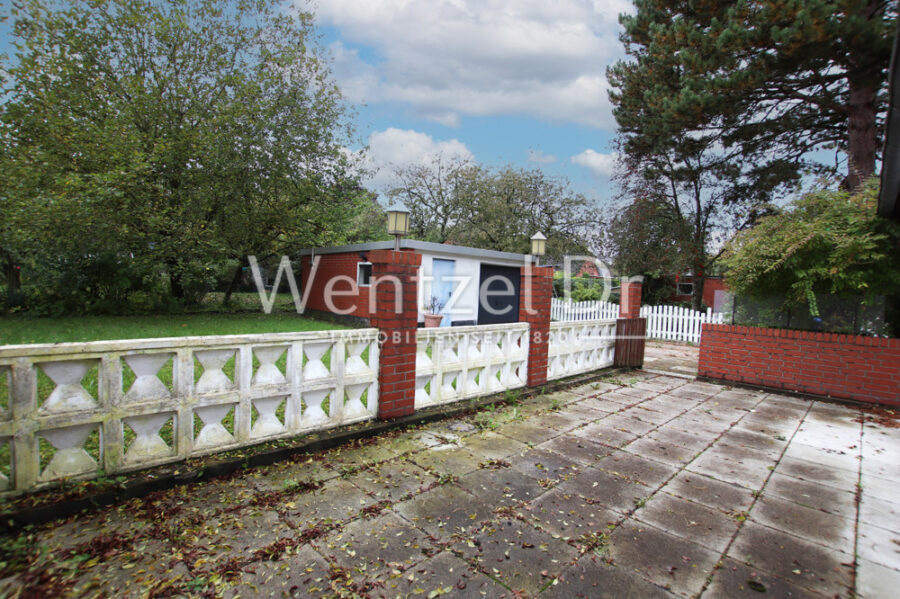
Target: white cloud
[538, 157]
[394, 148]
[600, 165]
[480, 57]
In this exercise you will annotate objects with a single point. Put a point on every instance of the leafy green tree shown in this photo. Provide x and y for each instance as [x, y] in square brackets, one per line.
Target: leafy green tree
[172, 137]
[824, 242]
[452, 200]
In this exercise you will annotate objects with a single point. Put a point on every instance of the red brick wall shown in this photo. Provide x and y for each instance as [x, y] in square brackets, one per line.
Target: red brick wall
[710, 286]
[333, 265]
[397, 362]
[630, 299]
[534, 308]
[827, 364]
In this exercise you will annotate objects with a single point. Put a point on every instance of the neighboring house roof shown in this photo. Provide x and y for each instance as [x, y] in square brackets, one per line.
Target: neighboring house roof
[888, 200]
[426, 247]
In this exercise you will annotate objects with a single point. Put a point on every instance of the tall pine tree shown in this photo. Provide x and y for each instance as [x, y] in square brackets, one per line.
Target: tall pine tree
[780, 79]
[723, 105]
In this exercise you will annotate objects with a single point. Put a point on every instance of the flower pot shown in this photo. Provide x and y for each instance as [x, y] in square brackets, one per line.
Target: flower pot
[433, 320]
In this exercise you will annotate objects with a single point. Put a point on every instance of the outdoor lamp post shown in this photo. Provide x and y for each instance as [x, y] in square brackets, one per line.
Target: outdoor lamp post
[538, 247]
[398, 224]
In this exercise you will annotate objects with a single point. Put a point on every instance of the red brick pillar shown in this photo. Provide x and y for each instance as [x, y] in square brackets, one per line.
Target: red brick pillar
[631, 329]
[394, 280]
[630, 297]
[534, 308]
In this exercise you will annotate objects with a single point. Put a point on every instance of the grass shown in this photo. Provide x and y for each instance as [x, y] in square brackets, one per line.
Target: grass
[18, 330]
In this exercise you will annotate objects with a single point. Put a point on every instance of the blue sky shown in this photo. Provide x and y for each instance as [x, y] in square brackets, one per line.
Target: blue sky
[517, 82]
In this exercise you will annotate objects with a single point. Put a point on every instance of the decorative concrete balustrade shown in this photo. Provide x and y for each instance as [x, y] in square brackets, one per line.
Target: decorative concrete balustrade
[75, 410]
[577, 347]
[462, 362]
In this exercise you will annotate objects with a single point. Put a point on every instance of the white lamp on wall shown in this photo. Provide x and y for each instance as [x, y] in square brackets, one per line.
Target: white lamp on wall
[538, 247]
[398, 224]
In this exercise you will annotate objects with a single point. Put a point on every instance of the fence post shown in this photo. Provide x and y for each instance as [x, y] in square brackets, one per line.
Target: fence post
[631, 329]
[534, 308]
[393, 273]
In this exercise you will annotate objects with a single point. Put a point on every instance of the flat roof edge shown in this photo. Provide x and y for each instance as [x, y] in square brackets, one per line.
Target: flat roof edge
[412, 244]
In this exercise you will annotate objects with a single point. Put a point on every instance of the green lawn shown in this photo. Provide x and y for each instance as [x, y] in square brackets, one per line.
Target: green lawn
[16, 330]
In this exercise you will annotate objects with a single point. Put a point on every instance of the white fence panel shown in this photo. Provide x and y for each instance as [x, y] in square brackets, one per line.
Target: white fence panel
[460, 362]
[74, 410]
[577, 347]
[563, 311]
[674, 323]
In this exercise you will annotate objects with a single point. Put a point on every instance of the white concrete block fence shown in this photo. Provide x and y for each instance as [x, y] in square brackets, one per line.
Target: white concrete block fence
[117, 406]
[463, 362]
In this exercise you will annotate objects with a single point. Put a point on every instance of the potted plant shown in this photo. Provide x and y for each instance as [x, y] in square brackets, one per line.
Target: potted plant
[433, 316]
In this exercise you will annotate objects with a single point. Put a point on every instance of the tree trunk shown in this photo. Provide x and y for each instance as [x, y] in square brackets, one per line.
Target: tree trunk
[861, 134]
[697, 297]
[864, 78]
[12, 273]
[176, 289]
[233, 284]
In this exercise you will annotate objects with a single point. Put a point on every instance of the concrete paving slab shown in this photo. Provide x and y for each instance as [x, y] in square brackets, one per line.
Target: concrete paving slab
[660, 451]
[879, 545]
[304, 573]
[528, 431]
[803, 563]
[840, 478]
[493, 446]
[519, 556]
[444, 511]
[446, 575]
[591, 577]
[544, 465]
[454, 462]
[500, 487]
[879, 512]
[819, 497]
[874, 581]
[599, 432]
[665, 560]
[569, 515]
[738, 580]
[879, 488]
[690, 521]
[807, 523]
[607, 489]
[627, 423]
[336, 501]
[710, 492]
[392, 480]
[749, 476]
[558, 421]
[629, 466]
[689, 439]
[374, 548]
[578, 448]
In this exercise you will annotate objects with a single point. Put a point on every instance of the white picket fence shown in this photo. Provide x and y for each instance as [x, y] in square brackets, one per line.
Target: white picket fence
[674, 323]
[561, 310]
[669, 323]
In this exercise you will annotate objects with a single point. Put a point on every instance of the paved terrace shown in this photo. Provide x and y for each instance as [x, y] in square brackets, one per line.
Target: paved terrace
[639, 486]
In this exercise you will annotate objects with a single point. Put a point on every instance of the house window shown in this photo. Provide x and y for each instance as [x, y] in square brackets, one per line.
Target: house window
[363, 274]
[685, 289]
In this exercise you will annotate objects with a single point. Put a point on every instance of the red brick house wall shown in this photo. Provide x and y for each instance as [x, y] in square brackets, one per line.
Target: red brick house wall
[710, 286]
[828, 364]
[332, 265]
